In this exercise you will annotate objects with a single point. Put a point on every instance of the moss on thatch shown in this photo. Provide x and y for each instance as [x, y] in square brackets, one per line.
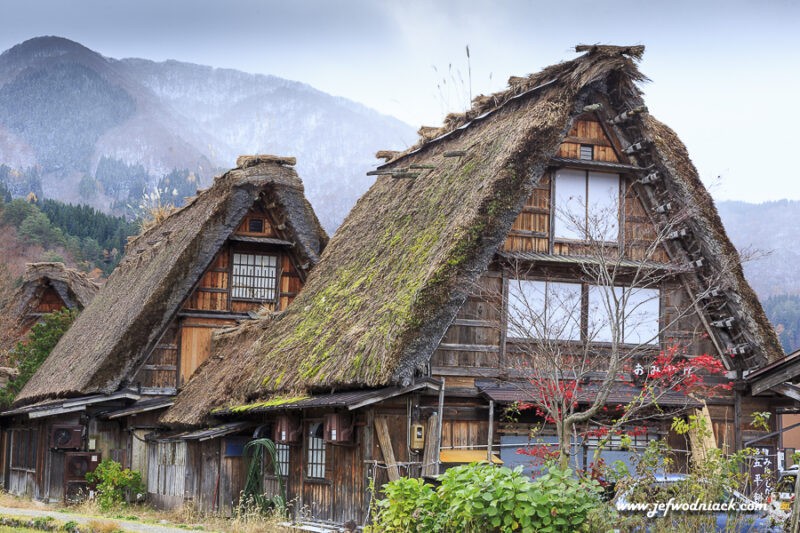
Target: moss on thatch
[115, 334]
[399, 268]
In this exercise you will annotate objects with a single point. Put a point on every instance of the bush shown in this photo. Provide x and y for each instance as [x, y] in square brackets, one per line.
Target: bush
[484, 498]
[113, 483]
[28, 356]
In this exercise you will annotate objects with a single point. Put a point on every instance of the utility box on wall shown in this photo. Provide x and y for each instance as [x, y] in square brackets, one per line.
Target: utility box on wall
[417, 437]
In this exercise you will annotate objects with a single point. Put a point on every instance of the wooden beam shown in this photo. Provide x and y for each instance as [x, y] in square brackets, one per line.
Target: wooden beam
[385, 441]
[429, 460]
[784, 373]
[491, 432]
[788, 390]
[469, 372]
[469, 347]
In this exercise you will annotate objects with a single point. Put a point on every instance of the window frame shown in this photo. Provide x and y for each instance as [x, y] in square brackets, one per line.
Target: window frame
[312, 464]
[556, 220]
[283, 456]
[510, 329]
[276, 279]
[585, 311]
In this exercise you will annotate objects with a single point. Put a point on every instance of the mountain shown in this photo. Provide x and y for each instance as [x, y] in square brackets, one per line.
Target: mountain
[84, 122]
[764, 233]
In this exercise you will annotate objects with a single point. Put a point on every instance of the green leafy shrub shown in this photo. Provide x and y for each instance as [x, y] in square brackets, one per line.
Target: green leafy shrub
[561, 502]
[113, 483]
[410, 505]
[28, 356]
[484, 498]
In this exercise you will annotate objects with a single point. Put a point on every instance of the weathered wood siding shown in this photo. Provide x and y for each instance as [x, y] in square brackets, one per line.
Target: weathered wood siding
[531, 229]
[50, 301]
[160, 369]
[195, 343]
[166, 474]
[588, 132]
[473, 342]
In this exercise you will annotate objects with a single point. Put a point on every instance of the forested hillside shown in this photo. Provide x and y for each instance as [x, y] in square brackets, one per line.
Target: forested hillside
[48, 230]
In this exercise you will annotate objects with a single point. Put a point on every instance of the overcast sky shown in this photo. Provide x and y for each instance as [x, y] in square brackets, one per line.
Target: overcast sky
[724, 74]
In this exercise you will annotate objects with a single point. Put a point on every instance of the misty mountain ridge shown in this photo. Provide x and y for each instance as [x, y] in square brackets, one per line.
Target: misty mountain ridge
[66, 110]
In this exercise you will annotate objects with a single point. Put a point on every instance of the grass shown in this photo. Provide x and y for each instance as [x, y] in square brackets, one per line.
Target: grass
[186, 517]
[9, 529]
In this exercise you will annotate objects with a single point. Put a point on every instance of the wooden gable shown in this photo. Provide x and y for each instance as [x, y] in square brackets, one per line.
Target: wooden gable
[532, 229]
[187, 342]
[588, 131]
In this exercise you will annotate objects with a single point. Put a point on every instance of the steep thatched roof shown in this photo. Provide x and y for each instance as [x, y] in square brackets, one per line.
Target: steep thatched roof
[115, 334]
[399, 268]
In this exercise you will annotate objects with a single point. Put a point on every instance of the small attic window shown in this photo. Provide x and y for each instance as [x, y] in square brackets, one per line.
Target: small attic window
[255, 225]
[587, 152]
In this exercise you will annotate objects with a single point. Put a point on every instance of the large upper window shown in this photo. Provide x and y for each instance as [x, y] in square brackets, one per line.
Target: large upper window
[586, 205]
[255, 276]
[632, 311]
[556, 310]
[544, 309]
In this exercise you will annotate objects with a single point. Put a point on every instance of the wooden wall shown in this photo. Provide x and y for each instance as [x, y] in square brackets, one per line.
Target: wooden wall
[472, 344]
[531, 231]
[160, 369]
[587, 131]
[50, 301]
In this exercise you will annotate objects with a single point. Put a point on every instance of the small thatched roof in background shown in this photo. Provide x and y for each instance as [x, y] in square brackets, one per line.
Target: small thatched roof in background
[74, 288]
[115, 334]
[402, 263]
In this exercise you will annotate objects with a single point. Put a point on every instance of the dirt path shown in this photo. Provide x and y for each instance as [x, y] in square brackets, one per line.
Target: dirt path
[127, 525]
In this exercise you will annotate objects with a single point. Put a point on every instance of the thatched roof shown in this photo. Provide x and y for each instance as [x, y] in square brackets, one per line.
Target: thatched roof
[114, 335]
[401, 264]
[74, 288]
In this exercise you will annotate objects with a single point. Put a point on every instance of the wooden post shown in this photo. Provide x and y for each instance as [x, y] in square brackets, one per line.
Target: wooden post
[429, 463]
[491, 432]
[439, 429]
[385, 441]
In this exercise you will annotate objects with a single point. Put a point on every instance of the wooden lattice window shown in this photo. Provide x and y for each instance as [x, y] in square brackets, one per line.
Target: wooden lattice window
[255, 276]
[315, 467]
[587, 152]
[282, 458]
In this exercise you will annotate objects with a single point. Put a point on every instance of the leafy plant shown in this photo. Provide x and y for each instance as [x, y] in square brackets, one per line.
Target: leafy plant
[253, 493]
[114, 483]
[29, 355]
[484, 498]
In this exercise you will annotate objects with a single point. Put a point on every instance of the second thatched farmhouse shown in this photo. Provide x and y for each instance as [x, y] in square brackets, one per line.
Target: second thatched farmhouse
[242, 247]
